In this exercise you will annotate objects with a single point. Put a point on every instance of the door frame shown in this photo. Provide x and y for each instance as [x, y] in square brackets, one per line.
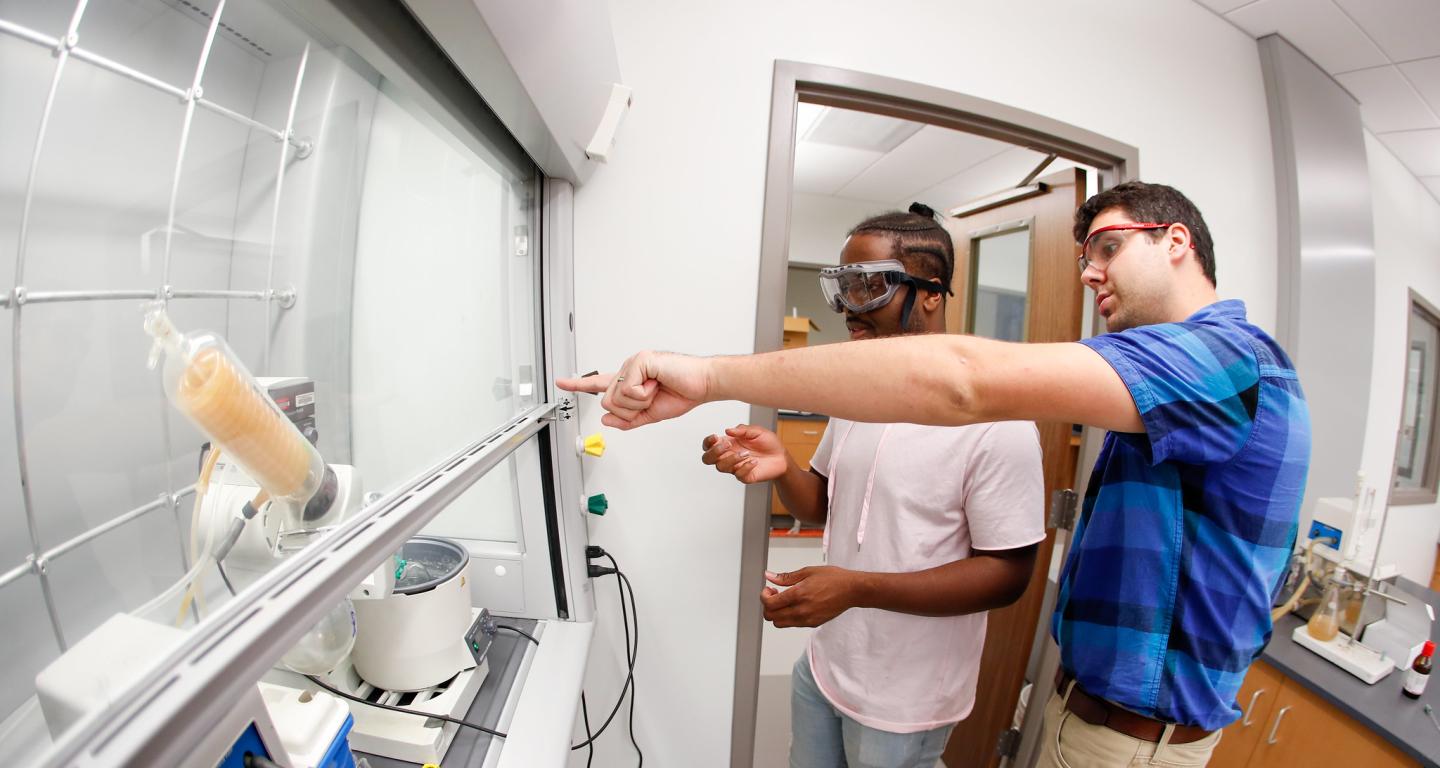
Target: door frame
[793, 82]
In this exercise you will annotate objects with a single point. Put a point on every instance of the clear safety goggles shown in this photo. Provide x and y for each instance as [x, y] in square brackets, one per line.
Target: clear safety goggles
[869, 285]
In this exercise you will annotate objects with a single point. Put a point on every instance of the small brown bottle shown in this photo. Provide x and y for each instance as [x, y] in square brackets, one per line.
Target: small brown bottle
[1419, 672]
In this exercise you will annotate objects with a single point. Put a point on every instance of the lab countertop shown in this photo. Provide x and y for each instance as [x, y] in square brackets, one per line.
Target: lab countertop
[805, 415]
[531, 693]
[1380, 707]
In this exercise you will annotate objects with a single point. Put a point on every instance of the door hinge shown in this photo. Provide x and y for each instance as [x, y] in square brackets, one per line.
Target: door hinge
[1063, 505]
[1008, 743]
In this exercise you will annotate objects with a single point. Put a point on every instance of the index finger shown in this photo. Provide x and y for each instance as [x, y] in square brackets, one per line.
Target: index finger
[593, 383]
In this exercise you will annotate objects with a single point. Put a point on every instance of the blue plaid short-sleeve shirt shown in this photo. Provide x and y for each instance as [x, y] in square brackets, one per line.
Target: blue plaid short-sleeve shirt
[1186, 529]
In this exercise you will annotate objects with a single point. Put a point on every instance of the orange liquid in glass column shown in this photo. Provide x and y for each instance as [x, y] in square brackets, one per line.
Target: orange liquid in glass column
[222, 403]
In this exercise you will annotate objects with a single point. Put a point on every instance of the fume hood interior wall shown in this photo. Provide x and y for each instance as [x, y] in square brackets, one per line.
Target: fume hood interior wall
[95, 417]
[95, 437]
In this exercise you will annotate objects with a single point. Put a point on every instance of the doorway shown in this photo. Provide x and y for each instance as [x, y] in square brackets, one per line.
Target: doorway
[1017, 261]
[1007, 205]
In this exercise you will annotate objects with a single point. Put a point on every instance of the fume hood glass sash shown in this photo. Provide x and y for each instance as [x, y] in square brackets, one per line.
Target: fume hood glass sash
[175, 705]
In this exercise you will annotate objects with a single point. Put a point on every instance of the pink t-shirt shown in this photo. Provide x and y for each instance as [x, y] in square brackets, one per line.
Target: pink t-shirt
[906, 497]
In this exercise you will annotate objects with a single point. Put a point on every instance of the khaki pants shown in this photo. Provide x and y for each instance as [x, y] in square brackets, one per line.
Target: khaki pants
[1069, 742]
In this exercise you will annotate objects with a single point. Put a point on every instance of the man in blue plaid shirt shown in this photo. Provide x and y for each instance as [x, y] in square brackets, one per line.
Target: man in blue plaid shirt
[1192, 507]
[1188, 522]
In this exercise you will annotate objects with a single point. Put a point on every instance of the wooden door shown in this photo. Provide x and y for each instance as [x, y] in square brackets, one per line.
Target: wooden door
[1304, 730]
[1052, 312]
[1257, 698]
[801, 438]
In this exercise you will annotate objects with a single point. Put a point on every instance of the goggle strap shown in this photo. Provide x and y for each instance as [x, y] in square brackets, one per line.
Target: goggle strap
[906, 307]
[926, 285]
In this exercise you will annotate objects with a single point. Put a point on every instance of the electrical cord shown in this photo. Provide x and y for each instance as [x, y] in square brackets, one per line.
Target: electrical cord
[634, 653]
[584, 710]
[631, 651]
[585, 714]
[629, 678]
[519, 632]
[402, 710]
[225, 577]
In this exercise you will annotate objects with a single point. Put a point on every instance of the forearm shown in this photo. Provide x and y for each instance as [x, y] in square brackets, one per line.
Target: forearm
[936, 379]
[964, 586]
[803, 493]
[916, 379]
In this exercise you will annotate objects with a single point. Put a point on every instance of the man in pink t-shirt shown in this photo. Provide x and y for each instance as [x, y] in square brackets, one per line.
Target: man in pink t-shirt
[926, 528]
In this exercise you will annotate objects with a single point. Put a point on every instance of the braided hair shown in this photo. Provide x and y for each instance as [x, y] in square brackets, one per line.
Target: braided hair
[918, 240]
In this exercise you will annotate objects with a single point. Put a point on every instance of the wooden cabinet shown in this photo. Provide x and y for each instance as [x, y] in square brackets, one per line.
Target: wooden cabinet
[1284, 724]
[1257, 700]
[799, 433]
[800, 437]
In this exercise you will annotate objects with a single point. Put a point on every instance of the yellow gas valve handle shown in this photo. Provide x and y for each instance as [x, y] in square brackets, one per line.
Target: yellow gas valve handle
[594, 445]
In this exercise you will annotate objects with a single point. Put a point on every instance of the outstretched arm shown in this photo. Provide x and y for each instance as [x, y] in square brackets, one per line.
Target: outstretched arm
[933, 379]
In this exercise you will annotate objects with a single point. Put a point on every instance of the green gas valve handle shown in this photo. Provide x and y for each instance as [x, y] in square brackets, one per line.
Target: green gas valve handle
[597, 504]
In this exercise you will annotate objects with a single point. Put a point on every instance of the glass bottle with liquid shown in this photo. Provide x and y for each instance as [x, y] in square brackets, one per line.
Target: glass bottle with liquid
[1325, 622]
[1352, 604]
[1419, 672]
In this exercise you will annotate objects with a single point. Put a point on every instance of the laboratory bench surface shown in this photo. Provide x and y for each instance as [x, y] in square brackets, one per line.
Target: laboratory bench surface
[537, 712]
[1381, 707]
[803, 415]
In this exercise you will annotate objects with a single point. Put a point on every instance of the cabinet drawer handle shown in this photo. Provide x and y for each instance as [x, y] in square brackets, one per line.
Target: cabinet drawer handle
[1276, 727]
[1250, 710]
[810, 432]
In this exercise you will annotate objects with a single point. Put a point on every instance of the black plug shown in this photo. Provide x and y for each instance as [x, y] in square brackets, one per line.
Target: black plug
[597, 571]
[594, 551]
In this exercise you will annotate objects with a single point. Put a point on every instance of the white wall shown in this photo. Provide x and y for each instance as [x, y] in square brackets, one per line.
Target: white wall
[667, 248]
[1407, 255]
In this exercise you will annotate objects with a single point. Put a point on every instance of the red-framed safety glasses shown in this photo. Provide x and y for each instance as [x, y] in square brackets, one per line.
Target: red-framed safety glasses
[1093, 251]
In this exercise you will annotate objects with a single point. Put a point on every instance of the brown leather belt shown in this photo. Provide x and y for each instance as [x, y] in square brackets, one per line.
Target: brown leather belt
[1096, 711]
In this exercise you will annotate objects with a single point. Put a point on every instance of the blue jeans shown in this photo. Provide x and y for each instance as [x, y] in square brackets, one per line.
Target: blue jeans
[823, 737]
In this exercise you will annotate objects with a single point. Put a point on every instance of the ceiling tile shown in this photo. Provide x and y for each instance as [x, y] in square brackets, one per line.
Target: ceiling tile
[927, 158]
[1317, 27]
[1425, 76]
[1418, 150]
[1387, 102]
[1404, 29]
[822, 169]
[860, 130]
[1223, 6]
